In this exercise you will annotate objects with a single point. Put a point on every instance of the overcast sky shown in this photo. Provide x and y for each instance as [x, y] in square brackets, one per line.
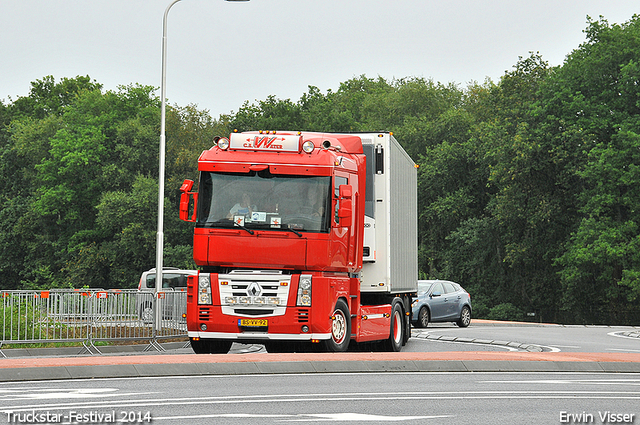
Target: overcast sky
[221, 54]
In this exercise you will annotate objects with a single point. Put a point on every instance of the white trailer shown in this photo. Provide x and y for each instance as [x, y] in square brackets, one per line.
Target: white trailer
[391, 225]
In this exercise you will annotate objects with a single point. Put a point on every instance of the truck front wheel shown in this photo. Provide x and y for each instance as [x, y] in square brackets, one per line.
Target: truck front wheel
[340, 329]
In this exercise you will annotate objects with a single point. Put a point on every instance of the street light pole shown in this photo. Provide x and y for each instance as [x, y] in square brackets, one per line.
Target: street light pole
[161, 159]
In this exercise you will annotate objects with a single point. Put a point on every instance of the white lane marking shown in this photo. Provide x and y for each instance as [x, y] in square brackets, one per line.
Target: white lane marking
[319, 417]
[617, 335]
[288, 398]
[52, 393]
[635, 382]
[553, 349]
[625, 350]
[359, 417]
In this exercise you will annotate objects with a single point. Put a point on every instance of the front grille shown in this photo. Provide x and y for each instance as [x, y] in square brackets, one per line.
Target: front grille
[250, 312]
[254, 293]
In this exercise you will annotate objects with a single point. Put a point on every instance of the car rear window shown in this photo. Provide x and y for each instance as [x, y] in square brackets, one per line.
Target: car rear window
[169, 280]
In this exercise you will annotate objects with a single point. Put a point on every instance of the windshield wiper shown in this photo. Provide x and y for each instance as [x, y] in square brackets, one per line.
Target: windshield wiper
[251, 232]
[294, 231]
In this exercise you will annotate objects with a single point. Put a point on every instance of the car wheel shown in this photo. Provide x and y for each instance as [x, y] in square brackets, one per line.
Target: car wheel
[423, 317]
[465, 317]
[340, 329]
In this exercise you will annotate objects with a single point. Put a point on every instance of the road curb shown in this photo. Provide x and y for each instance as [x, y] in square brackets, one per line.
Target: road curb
[307, 367]
[511, 344]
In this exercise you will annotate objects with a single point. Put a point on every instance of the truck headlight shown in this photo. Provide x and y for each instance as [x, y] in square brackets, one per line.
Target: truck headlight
[304, 291]
[204, 289]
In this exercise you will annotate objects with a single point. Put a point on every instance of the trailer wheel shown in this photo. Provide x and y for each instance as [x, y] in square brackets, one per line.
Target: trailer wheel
[210, 346]
[407, 327]
[396, 336]
[340, 329]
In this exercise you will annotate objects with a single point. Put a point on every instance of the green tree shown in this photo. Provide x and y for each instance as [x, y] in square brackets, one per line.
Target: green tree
[63, 150]
[595, 102]
[46, 97]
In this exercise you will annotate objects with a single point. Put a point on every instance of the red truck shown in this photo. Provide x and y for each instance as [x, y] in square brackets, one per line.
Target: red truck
[304, 241]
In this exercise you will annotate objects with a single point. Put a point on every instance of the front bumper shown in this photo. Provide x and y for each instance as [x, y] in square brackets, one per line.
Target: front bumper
[253, 336]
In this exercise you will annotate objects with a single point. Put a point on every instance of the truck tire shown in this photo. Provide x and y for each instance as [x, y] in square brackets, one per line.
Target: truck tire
[210, 346]
[340, 329]
[396, 335]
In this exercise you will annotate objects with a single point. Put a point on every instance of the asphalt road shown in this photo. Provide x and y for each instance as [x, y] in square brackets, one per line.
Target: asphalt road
[495, 336]
[488, 373]
[530, 337]
[371, 398]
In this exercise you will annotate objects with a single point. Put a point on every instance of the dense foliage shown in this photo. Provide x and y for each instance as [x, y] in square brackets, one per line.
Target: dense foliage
[528, 187]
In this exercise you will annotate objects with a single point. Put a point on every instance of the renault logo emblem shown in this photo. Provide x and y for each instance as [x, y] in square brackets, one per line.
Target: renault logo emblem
[254, 289]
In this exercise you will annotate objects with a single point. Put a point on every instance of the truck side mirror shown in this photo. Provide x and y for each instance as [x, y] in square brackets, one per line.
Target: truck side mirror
[185, 200]
[187, 185]
[345, 209]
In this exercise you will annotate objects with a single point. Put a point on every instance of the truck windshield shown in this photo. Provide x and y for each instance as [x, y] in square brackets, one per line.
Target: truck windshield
[261, 200]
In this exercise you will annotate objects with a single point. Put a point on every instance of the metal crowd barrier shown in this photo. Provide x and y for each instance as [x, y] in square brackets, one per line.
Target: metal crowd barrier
[89, 315]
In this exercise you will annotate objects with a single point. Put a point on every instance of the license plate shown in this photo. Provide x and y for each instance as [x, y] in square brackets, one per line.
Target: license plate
[253, 323]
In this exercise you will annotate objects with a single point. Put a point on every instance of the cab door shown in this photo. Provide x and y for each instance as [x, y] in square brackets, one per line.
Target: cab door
[344, 240]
